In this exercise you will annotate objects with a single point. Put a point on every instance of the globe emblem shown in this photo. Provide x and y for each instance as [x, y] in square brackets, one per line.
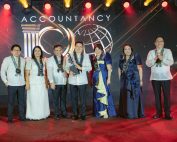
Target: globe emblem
[92, 34]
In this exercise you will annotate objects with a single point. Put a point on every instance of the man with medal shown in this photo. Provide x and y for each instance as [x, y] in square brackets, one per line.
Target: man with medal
[77, 66]
[12, 74]
[160, 59]
[57, 78]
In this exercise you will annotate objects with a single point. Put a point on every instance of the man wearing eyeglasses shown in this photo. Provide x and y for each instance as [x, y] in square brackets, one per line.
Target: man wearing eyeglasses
[12, 74]
[159, 60]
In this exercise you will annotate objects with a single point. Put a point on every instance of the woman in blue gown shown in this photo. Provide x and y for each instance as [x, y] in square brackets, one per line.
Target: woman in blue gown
[103, 101]
[130, 74]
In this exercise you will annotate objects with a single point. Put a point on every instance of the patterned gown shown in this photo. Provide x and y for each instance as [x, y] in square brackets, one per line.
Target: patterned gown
[130, 102]
[103, 101]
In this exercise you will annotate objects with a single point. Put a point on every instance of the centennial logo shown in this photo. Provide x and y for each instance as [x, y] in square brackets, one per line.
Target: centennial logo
[90, 34]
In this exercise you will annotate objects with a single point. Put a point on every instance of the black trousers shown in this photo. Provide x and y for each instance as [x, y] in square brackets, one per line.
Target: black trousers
[78, 92]
[59, 97]
[165, 87]
[12, 92]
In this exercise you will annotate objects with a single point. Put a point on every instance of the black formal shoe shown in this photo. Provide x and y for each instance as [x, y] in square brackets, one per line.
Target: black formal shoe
[57, 117]
[75, 117]
[64, 115]
[22, 119]
[157, 116]
[168, 117]
[83, 117]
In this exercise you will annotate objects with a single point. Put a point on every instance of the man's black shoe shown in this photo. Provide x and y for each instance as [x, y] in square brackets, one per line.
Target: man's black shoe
[157, 116]
[168, 117]
[64, 116]
[83, 117]
[75, 117]
[57, 117]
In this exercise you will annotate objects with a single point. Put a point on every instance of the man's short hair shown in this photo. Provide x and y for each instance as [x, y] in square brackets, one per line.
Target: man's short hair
[79, 42]
[15, 45]
[57, 45]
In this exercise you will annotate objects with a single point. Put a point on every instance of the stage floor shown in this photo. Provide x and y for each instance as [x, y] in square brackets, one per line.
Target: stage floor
[91, 130]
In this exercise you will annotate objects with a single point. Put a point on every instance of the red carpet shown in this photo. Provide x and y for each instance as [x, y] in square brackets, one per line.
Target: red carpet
[92, 130]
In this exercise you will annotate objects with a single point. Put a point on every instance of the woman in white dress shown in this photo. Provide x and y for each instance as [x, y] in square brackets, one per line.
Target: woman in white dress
[36, 85]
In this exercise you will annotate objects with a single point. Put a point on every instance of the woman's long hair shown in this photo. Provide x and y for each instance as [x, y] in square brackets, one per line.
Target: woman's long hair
[33, 56]
[127, 44]
[99, 46]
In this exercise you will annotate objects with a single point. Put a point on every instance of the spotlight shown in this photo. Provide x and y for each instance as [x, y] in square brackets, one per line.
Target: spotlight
[27, 6]
[88, 5]
[47, 6]
[108, 3]
[164, 4]
[147, 2]
[126, 4]
[24, 3]
[7, 6]
[67, 3]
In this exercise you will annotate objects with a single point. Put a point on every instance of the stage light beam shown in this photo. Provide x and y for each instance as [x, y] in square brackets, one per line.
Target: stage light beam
[7, 6]
[126, 4]
[24, 3]
[108, 3]
[147, 2]
[47, 6]
[164, 4]
[88, 5]
[67, 3]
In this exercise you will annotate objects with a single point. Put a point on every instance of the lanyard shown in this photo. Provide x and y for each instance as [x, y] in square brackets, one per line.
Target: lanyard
[76, 59]
[15, 64]
[73, 67]
[59, 65]
[17, 67]
[40, 67]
